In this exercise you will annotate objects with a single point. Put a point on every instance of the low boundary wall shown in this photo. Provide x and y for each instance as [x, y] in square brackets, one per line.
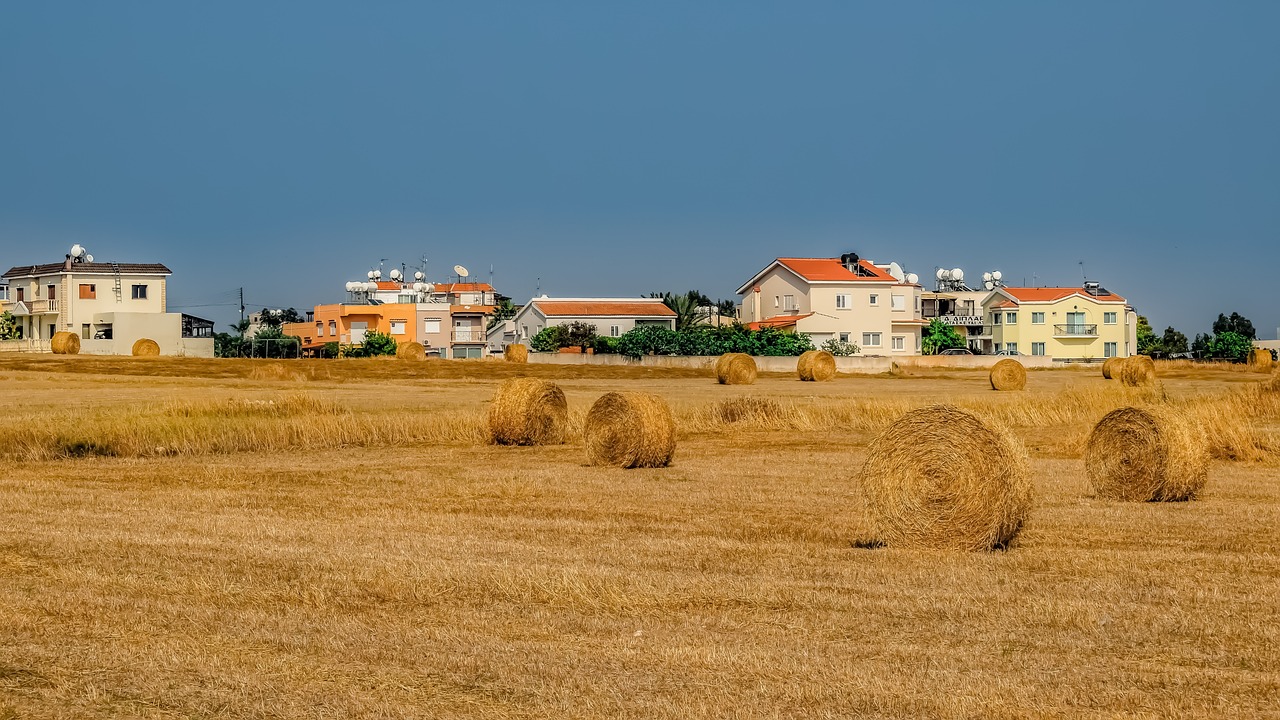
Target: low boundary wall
[787, 364]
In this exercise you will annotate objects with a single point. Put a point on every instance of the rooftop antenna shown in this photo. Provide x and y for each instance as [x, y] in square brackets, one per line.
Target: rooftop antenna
[1083, 277]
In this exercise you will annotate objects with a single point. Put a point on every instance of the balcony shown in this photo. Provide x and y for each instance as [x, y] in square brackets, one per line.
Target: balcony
[34, 307]
[1076, 330]
[469, 336]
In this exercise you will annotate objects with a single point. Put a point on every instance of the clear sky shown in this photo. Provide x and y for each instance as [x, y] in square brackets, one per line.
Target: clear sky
[610, 148]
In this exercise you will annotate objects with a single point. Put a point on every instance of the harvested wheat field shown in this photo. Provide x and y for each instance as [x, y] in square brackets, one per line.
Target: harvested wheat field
[338, 539]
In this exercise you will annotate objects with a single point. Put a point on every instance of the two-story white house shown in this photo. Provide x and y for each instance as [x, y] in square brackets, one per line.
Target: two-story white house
[109, 305]
[611, 316]
[846, 298]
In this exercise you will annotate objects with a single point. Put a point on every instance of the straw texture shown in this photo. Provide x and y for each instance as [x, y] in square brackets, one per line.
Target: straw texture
[1111, 367]
[146, 347]
[1008, 374]
[736, 369]
[1138, 371]
[1148, 454]
[528, 411]
[516, 353]
[630, 430]
[816, 366]
[411, 351]
[1260, 360]
[65, 343]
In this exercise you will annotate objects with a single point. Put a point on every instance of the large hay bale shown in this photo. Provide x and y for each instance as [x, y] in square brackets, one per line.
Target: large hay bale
[816, 366]
[1147, 454]
[1138, 371]
[1008, 374]
[736, 369]
[1260, 360]
[411, 351]
[1111, 367]
[65, 343]
[940, 477]
[516, 353]
[146, 347]
[630, 430]
[528, 411]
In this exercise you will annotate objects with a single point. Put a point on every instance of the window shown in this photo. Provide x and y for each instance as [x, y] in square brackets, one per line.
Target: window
[614, 331]
[995, 318]
[319, 329]
[4, 292]
[53, 292]
[871, 339]
[777, 301]
[432, 325]
[1012, 348]
[899, 342]
[1037, 348]
[875, 299]
[88, 292]
[995, 347]
[898, 302]
[333, 327]
[1109, 350]
[397, 327]
[788, 302]
[1037, 319]
[1011, 318]
[844, 337]
[139, 292]
[85, 333]
[842, 302]
[1109, 318]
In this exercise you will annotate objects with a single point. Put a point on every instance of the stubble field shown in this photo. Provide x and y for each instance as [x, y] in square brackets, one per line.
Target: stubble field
[335, 539]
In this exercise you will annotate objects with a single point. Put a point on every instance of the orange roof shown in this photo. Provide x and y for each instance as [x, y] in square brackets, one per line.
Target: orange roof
[388, 285]
[604, 307]
[1051, 294]
[830, 270]
[465, 309]
[463, 287]
[1005, 304]
[777, 321]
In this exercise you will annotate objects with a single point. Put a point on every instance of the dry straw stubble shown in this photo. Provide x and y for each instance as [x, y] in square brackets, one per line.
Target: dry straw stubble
[939, 477]
[630, 430]
[65, 343]
[528, 411]
[411, 351]
[1008, 374]
[1147, 454]
[1138, 371]
[816, 366]
[1111, 367]
[736, 369]
[516, 353]
[146, 347]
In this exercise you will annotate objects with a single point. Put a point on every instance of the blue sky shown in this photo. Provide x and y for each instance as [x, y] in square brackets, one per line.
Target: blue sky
[592, 148]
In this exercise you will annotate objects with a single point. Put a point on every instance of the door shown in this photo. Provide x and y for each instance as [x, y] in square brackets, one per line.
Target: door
[462, 331]
[1075, 323]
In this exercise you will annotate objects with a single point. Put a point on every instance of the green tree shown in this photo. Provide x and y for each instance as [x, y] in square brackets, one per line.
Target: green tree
[503, 311]
[550, 339]
[938, 336]
[241, 327]
[1237, 324]
[1148, 341]
[1200, 346]
[580, 335]
[1174, 342]
[1230, 346]
[9, 329]
[375, 344]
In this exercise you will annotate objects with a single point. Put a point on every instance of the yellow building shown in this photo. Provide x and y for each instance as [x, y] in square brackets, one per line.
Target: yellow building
[1064, 323]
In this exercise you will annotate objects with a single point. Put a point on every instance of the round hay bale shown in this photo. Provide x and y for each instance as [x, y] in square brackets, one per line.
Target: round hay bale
[1138, 371]
[816, 366]
[1008, 374]
[411, 351]
[146, 347]
[1147, 454]
[1111, 367]
[528, 411]
[736, 369]
[65, 343]
[516, 353]
[940, 477]
[630, 430]
[1260, 360]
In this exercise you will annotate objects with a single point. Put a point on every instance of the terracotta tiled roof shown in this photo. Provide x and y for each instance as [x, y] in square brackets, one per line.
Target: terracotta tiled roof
[389, 285]
[623, 308]
[463, 287]
[1005, 304]
[1051, 294]
[830, 270]
[89, 269]
[778, 321]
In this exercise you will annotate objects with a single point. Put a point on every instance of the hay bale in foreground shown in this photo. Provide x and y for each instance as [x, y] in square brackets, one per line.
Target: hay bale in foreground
[65, 343]
[940, 477]
[1138, 371]
[516, 353]
[1260, 360]
[1008, 374]
[1147, 454]
[816, 366]
[1111, 367]
[736, 369]
[146, 347]
[630, 430]
[528, 411]
[411, 351]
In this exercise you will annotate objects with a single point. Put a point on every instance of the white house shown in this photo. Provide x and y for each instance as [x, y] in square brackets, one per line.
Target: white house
[611, 316]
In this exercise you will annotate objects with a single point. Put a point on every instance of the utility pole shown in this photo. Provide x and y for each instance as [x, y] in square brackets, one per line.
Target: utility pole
[241, 313]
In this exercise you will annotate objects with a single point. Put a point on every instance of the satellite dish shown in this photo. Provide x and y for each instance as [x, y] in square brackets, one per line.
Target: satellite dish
[986, 277]
[77, 250]
[461, 271]
[377, 274]
[396, 274]
[370, 275]
[896, 271]
[913, 278]
[941, 273]
[989, 285]
[88, 258]
[419, 276]
[996, 275]
[957, 275]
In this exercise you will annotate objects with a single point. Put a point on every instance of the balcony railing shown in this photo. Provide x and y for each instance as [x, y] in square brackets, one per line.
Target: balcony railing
[1076, 330]
[469, 336]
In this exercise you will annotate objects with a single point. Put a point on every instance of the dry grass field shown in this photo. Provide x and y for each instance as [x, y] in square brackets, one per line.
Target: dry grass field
[335, 539]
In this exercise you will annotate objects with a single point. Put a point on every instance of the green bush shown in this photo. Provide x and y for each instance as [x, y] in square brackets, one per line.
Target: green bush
[375, 344]
[660, 340]
[840, 348]
[606, 345]
[550, 339]
[1230, 346]
[938, 336]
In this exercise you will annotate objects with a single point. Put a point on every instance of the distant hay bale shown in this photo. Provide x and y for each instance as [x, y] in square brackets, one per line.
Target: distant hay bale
[630, 430]
[1138, 371]
[65, 343]
[1147, 454]
[1111, 367]
[528, 411]
[146, 347]
[816, 366]
[1260, 360]
[411, 351]
[516, 353]
[1008, 374]
[736, 369]
[940, 477]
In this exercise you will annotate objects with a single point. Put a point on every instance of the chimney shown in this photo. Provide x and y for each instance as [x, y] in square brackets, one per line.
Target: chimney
[67, 265]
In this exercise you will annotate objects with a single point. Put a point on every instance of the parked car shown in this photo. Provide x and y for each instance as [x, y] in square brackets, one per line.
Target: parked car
[1008, 352]
[956, 351]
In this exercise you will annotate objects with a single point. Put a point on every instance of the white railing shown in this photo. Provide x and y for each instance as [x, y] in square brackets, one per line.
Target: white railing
[24, 346]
